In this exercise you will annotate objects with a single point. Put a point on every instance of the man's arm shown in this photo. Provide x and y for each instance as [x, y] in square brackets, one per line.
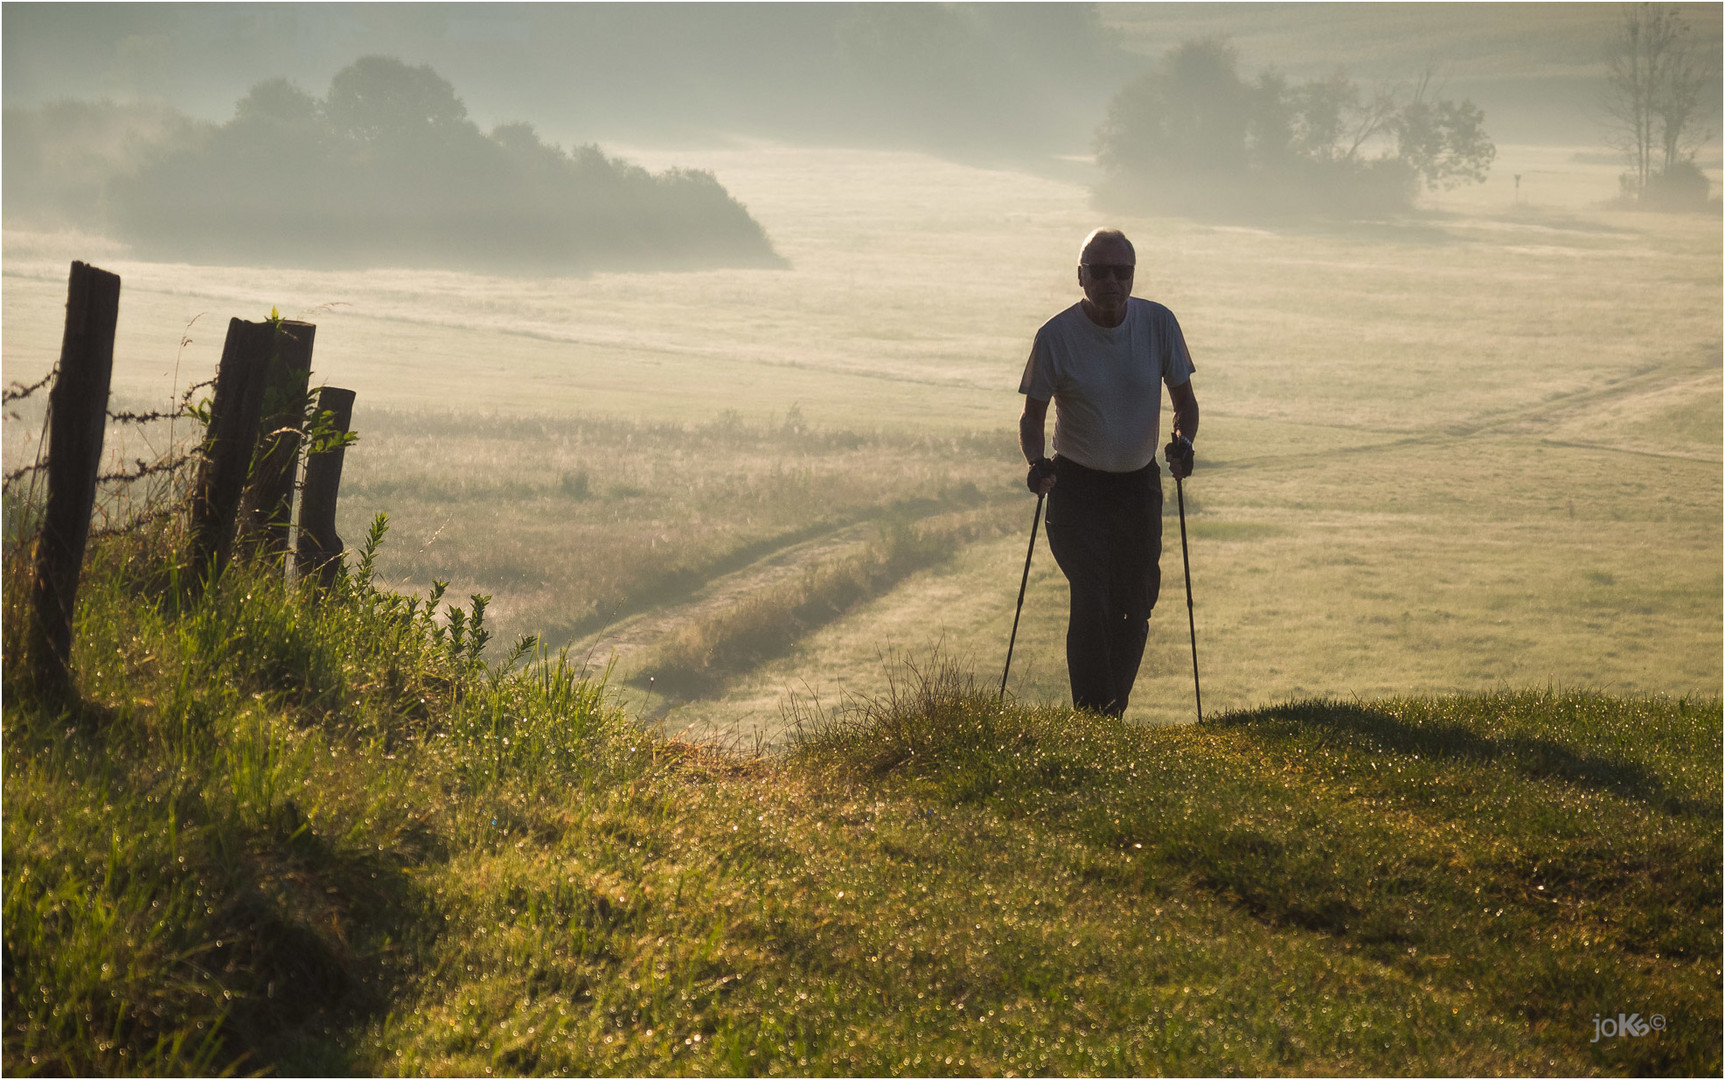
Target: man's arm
[1185, 410]
[1031, 440]
[1031, 427]
[1185, 427]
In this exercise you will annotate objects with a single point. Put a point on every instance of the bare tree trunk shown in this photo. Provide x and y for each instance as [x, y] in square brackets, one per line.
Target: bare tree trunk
[1679, 97]
[1648, 75]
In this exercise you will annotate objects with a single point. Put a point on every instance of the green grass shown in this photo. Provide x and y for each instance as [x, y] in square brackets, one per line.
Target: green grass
[282, 834]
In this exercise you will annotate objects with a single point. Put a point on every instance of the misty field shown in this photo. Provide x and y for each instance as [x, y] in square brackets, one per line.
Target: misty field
[1474, 450]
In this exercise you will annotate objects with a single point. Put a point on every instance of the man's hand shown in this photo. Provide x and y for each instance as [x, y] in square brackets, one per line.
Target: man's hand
[1041, 477]
[1179, 455]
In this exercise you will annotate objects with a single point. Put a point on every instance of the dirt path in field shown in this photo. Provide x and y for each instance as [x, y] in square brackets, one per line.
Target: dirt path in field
[630, 638]
[1581, 418]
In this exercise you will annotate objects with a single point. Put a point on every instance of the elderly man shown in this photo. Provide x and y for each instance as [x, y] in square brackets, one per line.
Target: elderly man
[1103, 362]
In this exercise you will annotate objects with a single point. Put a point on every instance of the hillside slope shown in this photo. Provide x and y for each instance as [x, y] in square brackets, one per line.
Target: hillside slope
[283, 835]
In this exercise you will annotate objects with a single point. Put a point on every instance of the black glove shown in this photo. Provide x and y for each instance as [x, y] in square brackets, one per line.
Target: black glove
[1041, 469]
[1179, 455]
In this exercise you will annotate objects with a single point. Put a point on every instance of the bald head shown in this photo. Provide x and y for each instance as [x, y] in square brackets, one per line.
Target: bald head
[1107, 246]
[1105, 270]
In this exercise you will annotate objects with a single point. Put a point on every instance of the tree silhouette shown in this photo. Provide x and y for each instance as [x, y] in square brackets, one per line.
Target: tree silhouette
[1443, 141]
[1656, 101]
[381, 97]
[387, 170]
[277, 101]
[1193, 134]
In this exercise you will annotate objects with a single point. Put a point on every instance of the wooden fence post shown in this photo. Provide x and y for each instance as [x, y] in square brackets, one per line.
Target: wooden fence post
[229, 442]
[78, 416]
[268, 502]
[319, 547]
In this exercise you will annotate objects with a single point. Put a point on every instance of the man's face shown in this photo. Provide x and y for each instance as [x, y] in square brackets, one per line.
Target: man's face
[1099, 271]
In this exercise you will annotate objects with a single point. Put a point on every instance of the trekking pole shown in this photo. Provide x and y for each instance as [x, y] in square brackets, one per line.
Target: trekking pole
[1035, 522]
[1191, 621]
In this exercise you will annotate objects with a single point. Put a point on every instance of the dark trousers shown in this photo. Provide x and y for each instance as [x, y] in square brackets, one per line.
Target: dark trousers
[1105, 530]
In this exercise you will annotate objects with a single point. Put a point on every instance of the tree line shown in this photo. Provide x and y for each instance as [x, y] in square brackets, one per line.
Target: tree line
[1194, 134]
[385, 169]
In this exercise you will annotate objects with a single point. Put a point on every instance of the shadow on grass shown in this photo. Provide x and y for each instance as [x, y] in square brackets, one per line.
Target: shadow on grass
[322, 937]
[293, 940]
[1536, 758]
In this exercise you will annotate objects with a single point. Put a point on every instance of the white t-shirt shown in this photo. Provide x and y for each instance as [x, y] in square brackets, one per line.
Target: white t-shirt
[1106, 382]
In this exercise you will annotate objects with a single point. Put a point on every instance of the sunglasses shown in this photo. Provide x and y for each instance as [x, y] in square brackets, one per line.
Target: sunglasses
[1120, 272]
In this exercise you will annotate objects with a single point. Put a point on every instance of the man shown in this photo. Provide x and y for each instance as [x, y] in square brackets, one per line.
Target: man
[1103, 362]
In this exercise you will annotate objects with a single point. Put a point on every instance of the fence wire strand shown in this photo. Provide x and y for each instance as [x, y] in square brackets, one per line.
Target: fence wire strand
[146, 468]
[18, 391]
[123, 476]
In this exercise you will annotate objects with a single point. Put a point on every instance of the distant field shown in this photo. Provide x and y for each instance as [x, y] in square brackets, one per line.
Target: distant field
[1472, 450]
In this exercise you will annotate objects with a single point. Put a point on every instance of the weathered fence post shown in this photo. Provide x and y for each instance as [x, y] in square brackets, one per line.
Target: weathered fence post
[268, 502]
[319, 547]
[229, 442]
[78, 414]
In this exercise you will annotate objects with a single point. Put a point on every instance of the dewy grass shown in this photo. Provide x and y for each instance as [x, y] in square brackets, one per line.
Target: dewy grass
[209, 854]
[288, 834]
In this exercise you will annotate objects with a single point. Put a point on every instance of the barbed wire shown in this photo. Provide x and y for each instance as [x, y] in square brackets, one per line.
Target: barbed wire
[136, 523]
[186, 398]
[146, 468]
[20, 472]
[18, 391]
[127, 417]
[123, 476]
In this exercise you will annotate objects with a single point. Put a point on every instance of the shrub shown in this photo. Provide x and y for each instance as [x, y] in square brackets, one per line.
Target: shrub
[1680, 186]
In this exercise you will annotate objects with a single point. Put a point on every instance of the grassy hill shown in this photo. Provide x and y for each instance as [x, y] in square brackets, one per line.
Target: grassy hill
[280, 834]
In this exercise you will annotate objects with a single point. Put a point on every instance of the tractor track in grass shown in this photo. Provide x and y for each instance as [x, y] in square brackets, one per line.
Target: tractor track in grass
[631, 637]
[1539, 420]
[633, 644]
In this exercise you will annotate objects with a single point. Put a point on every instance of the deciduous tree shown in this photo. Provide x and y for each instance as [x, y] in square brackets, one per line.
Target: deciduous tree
[1192, 132]
[1656, 102]
[1443, 141]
